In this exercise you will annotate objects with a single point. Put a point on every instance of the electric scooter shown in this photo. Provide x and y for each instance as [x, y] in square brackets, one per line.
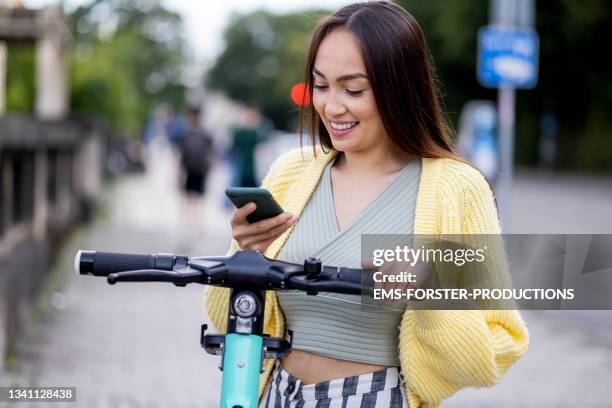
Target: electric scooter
[248, 274]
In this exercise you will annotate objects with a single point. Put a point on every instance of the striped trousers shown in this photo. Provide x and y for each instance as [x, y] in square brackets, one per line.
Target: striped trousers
[380, 389]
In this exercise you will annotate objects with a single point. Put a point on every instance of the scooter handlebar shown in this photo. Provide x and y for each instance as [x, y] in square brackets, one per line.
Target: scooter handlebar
[244, 268]
[104, 263]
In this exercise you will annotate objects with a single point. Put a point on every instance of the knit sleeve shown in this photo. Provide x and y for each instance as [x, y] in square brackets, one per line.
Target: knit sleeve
[442, 351]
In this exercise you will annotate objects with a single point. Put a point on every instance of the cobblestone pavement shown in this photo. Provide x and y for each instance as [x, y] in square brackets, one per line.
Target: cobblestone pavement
[136, 345]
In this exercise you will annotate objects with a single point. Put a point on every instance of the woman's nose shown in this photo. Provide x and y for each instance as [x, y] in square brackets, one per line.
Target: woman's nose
[334, 108]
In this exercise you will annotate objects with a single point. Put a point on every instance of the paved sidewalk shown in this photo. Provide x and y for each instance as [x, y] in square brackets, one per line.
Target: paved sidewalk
[137, 345]
[131, 345]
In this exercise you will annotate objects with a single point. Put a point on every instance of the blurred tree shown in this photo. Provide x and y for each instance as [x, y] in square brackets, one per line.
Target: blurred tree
[264, 57]
[128, 56]
[575, 79]
[451, 28]
[20, 78]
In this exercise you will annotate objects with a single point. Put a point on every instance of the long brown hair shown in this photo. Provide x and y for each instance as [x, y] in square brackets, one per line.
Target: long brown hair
[400, 72]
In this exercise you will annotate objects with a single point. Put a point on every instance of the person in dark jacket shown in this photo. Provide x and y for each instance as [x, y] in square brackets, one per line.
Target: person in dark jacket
[196, 148]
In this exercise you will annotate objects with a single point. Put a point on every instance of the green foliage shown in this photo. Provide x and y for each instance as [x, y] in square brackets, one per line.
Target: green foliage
[451, 29]
[264, 57]
[128, 56]
[574, 77]
[20, 78]
[575, 81]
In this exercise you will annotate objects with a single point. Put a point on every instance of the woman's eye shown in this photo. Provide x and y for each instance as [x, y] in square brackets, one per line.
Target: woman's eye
[354, 93]
[320, 87]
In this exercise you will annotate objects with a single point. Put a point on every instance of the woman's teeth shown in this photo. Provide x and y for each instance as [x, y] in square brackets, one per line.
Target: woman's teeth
[343, 126]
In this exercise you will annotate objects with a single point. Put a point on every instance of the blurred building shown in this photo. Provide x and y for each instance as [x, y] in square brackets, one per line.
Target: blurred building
[51, 168]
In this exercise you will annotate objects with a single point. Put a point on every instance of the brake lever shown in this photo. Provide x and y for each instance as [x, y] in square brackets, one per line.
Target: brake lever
[155, 275]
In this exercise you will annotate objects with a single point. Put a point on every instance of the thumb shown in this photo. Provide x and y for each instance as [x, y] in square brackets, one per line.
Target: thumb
[367, 264]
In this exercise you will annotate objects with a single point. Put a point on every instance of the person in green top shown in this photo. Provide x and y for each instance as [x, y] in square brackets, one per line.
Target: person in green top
[245, 139]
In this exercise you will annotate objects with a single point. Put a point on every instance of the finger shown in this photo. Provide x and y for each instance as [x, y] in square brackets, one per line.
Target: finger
[406, 270]
[246, 230]
[263, 226]
[271, 234]
[367, 264]
[425, 274]
[241, 213]
[395, 270]
[383, 275]
[250, 235]
[264, 244]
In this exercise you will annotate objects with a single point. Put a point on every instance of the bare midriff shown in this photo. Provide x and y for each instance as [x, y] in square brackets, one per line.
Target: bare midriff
[313, 368]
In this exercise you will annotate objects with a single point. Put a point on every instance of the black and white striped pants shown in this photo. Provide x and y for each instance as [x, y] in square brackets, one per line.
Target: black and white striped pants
[380, 389]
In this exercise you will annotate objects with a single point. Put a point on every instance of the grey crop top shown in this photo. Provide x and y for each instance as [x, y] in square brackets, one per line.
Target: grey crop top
[335, 325]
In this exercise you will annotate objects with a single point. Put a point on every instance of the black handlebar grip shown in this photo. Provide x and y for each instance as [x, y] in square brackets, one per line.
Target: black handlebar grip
[105, 263]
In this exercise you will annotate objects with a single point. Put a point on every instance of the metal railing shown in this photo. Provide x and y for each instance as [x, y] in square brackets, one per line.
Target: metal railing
[51, 173]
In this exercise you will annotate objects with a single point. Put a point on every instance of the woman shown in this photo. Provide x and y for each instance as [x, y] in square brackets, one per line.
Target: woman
[385, 165]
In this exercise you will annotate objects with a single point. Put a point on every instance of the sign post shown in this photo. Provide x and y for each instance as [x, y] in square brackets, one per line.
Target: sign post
[508, 59]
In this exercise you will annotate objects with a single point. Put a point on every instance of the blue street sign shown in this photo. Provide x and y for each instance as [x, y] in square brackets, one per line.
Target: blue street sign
[508, 56]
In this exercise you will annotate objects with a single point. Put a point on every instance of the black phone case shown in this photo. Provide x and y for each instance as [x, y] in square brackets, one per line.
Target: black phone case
[267, 207]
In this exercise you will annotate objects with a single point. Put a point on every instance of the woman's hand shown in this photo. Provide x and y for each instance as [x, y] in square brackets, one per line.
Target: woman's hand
[259, 235]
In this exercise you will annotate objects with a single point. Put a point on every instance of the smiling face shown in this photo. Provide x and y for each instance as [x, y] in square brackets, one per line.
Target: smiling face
[343, 97]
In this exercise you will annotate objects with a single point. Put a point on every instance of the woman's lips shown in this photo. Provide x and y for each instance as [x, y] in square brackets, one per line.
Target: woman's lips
[343, 132]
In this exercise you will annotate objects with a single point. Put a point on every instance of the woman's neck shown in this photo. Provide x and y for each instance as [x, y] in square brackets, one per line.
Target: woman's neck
[368, 164]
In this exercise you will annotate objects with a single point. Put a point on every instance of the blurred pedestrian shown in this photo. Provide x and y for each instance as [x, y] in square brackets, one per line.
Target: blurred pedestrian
[245, 138]
[196, 148]
[196, 157]
[547, 147]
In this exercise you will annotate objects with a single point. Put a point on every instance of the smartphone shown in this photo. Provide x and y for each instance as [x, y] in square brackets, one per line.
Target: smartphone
[267, 207]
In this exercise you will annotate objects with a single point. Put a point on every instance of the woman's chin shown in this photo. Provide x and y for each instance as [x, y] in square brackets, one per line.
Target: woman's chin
[342, 145]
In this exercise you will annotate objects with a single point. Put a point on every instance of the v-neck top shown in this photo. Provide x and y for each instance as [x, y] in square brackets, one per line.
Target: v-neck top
[333, 324]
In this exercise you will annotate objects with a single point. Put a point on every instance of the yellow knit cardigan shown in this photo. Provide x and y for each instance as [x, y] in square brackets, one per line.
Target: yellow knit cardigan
[440, 351]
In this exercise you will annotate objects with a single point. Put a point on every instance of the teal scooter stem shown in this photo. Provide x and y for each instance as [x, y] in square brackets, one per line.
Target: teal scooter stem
[242, 359]
[243, 348]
